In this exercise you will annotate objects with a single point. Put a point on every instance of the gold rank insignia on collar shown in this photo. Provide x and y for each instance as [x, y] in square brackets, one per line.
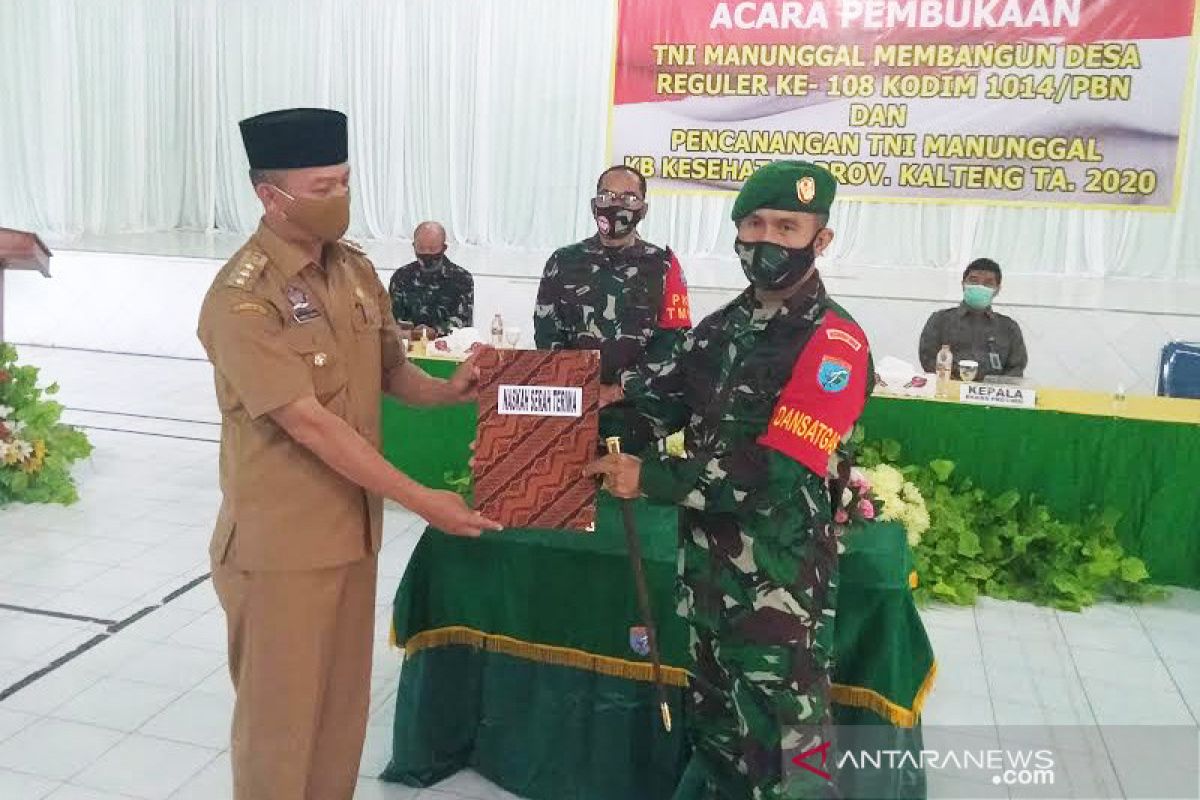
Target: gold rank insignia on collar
[353, 247]
[246, 270]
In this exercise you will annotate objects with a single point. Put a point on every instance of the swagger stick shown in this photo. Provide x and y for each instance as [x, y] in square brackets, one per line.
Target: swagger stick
[634, 543]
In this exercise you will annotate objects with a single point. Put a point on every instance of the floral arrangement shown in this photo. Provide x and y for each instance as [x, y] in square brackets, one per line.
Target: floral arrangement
[882, 493]
[36, 450]
[901, 500]
[972, 542]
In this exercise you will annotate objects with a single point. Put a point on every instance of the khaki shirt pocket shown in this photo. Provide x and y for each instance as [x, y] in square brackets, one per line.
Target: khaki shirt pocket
[368, 318]
[325, 363]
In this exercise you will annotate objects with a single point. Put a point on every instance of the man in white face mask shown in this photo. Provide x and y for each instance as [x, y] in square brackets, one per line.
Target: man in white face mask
[300, 334]
[973, 331]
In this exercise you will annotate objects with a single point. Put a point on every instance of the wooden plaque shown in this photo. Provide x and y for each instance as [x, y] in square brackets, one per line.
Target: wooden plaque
[538, 429]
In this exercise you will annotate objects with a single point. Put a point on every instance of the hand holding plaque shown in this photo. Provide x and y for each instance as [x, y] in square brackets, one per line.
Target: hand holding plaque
[538, 429]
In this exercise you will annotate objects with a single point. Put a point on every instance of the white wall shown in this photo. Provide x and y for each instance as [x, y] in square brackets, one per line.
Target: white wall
[1081, 334]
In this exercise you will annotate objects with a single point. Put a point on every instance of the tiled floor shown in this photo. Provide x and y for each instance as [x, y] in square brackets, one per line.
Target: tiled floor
[143, 711]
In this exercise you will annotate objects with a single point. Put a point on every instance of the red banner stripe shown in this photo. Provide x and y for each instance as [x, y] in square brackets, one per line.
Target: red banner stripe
[642, 24]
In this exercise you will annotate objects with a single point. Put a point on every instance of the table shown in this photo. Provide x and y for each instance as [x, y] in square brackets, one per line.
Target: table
[1149, 470]
[518, 662]
[20, 250]
[1072, 452]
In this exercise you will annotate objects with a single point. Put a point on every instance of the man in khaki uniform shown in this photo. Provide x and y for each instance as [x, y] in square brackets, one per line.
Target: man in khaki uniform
[299, 331]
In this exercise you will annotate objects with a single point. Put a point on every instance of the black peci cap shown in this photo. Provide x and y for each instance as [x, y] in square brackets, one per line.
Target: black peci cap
[294, 138]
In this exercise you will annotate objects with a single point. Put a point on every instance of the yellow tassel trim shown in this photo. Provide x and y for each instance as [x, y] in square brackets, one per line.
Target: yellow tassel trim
[901, 717]
[857, 696]
[543, 653]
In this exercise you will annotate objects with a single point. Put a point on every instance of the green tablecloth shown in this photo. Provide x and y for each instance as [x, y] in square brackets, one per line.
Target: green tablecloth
[1146, 470]
[428, 442]
[518, 660]
[1149, 471]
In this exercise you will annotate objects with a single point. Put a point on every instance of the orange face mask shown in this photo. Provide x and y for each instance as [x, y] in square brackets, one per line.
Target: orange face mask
[327, 218]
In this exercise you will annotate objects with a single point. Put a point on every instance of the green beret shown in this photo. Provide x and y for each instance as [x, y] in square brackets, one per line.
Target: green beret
[787, 186]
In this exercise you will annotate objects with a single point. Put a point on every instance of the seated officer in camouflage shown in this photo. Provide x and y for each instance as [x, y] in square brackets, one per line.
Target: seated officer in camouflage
[433, 293]
[616, 293]
[766, 389]
[298, 330]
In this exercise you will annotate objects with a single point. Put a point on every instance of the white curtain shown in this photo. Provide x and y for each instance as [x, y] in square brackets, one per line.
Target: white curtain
[490, 115]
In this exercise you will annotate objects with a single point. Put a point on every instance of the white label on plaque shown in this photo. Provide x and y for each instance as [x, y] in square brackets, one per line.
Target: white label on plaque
[987, 394]
[541, 401]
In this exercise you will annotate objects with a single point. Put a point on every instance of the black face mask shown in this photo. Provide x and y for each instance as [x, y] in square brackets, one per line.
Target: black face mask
[616, 222]
[774, 267]
[430, 260]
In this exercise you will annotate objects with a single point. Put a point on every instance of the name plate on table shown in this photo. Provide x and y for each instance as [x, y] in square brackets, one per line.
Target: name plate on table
[539, 426]
[986, 394]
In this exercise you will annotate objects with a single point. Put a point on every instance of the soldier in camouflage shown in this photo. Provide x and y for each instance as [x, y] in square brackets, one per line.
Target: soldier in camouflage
[618, 294]
[766, 390]
[433, 293]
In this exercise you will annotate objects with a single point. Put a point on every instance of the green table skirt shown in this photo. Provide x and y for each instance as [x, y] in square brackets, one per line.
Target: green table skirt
[518, 660]
[548, 732]
[536, 729]
[568, 599]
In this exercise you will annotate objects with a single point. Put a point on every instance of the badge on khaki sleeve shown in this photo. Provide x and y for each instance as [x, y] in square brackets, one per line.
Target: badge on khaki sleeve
[824, 396]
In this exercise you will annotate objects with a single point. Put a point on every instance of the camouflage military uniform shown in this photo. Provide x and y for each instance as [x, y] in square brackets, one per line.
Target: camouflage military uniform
[596, 298]
[441, 296]
[758, 557]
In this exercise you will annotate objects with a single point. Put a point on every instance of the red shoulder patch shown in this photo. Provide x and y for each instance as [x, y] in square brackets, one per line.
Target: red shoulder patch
[676, 311]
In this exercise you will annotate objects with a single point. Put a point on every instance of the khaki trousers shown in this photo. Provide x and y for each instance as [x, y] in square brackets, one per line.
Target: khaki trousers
[300, 658]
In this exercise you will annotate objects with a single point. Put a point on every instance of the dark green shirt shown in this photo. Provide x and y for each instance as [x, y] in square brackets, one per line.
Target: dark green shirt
[441, 296]
[991, 339]
[593, 297]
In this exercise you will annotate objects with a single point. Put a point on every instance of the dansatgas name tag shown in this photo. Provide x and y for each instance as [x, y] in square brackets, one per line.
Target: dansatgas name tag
[541, 401]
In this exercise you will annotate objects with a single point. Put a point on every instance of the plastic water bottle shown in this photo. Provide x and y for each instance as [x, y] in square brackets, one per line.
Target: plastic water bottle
[945, 369]
[497, 332]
